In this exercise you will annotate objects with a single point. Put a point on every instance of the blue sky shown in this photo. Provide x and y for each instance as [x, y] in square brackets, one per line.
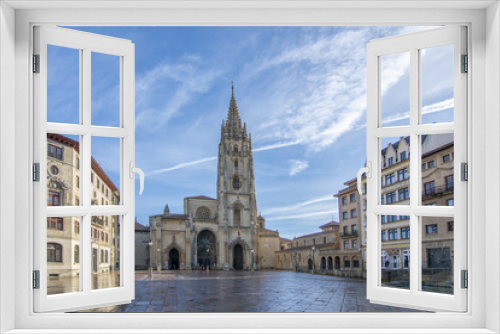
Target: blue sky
[301, 91]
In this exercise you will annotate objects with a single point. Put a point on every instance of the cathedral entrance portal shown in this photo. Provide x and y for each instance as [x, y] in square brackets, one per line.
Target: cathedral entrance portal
[238, 257]
[173, 259]
[207, 256]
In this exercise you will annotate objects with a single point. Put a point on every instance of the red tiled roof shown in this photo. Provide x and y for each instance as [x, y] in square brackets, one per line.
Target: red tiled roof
[95, 166]
[284, 240]
[201, 197]
[140, 227]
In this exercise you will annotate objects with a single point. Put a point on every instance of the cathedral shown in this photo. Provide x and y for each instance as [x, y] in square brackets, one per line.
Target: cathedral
[224, 232]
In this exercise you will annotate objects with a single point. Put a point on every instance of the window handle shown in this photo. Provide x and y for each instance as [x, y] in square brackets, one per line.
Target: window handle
[134, 170]
[368, 171]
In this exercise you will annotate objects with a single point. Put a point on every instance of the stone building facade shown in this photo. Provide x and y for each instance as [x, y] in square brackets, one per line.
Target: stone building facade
[142, 247]
[223, 232]
[63, 233]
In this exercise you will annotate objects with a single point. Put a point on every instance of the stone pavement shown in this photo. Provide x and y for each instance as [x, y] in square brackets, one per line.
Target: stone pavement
[248, 291]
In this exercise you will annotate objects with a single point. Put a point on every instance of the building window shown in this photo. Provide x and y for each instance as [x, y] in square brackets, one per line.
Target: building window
[54, 252]
[55, 152]
[404, 217]
[346, 244]
[406, 258]
[382, 200]
[403, 174]
[391, 197]
[392, 218]
[203, 213]
[402, 156]
[405, 232]
[353, 213]
[430, 164]
[106, 256]
[354, 244]
[77, 254]
[394, 262]
[382, 219]
[77, 227]
[344, 200]
[451, 226]
[403, 194]
[355, 263]
[345, 215]
[346, 230]
[237, 216]
[383, 258]
[54, 170]
[431, 229]
[98, 183]
[352, 198]
[383, 236]
[424, 166]
[382, 184]
[77, 182]
[92, 177]
[449, 180]
[77, 163]
[393, 234]
[446, 158]
[53, 199]
[364, 188]
[390, 162]
[324, 240]
[347, 263]
[429, 188]
[102, 256]
[354, 229]
[450, 202]
[236, 163]
[55, 223]
[390, 179]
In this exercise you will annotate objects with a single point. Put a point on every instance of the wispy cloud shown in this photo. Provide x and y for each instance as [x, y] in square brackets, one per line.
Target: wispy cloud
[177, 83]
[297, 166]
[297, 206]
[300, 216]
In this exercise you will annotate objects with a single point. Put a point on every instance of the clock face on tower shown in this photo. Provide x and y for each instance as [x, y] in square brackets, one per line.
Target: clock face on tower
[236, 182]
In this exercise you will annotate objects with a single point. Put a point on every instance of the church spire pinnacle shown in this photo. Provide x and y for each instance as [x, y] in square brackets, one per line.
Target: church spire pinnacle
[233, 121]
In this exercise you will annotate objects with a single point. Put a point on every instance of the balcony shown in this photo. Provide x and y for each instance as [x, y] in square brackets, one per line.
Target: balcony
[97, 221]
[428, 193]
[349, 234]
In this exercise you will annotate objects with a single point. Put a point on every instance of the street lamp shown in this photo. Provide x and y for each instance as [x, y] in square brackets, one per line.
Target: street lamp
[296, 264]
[150, 266]
[253, 264]
[314, 264]
[208, 259]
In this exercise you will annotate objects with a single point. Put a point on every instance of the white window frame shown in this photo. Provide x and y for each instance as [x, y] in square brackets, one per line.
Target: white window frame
[482, 316]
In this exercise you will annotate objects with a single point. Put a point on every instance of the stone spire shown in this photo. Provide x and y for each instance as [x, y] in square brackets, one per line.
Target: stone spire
[233, 121]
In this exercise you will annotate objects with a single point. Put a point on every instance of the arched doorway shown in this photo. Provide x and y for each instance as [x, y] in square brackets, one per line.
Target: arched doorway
[323, 263]
[329, 265]
[238, 257]
[206, 252]
[309, 264]
[173, 259]
[337, 262]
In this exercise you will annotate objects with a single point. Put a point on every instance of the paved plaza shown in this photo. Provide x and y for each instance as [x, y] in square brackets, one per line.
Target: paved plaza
[248, 291]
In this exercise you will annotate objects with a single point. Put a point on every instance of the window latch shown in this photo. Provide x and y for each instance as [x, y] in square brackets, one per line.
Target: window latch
[465, 64]
[368, 171]
[36, 172]
[464, 171]
[465, 279]
[36, 63]
[132, 171]
[36, 279]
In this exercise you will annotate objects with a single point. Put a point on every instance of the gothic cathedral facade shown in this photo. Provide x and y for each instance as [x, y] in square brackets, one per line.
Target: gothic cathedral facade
[222, 233]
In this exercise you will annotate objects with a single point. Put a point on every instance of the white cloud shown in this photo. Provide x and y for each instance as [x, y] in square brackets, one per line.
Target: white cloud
[297, 206]
[181, 165]
[297, 166]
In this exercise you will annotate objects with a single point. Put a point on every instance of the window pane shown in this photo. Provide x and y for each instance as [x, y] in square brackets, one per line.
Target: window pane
[63, 174]
[63, 268]
[437, 170]
[437, 84]
[63, 85]
[395, 251]
[395, 89]
[437, 254]
[105, 180]
[395, 167]
[105, 90]
[105, 248]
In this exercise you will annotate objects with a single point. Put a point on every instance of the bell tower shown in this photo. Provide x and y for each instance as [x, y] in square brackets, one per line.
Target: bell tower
[236, 188]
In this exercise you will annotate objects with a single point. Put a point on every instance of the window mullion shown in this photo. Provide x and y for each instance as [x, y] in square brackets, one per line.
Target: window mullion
[415, 155]
[86, 170]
